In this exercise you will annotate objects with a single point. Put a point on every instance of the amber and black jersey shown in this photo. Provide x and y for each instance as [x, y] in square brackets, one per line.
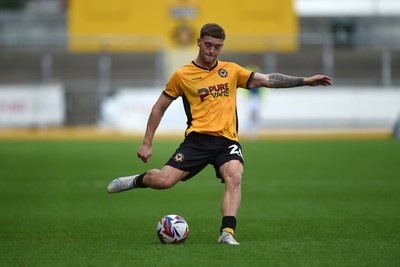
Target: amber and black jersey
[209, 96]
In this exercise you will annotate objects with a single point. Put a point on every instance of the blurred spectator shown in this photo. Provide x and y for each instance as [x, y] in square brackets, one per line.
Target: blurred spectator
[397, 129]
[254, 101]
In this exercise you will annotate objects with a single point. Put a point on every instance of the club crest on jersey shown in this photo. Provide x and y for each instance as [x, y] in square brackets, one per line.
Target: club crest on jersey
[179, 157]
[223, 73]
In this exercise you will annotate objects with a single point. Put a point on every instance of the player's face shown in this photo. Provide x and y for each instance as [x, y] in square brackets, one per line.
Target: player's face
[210, 48]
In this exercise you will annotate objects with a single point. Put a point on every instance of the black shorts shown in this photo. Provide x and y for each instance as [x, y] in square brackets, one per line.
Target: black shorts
[199, 150]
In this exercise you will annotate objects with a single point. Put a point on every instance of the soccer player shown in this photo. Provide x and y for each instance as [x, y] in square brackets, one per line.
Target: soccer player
[207, 87]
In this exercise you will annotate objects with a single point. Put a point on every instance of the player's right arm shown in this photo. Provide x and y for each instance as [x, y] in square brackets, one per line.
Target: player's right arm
[157, 112]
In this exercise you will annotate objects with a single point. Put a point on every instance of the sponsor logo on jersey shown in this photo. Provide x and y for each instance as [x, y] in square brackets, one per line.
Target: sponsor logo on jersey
[215, 91]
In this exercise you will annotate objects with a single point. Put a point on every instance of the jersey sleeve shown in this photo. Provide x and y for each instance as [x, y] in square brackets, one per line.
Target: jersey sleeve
[245, 77]
[173, 88]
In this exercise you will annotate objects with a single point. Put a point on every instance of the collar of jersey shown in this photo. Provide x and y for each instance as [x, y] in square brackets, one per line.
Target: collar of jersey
[210, 69]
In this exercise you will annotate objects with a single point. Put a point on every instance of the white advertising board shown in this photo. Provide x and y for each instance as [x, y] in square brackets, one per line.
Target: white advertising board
[320, 107]
[31, 105]
[130, 108]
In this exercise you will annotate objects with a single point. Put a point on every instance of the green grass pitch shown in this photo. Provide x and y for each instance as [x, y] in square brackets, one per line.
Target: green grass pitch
[304, 203]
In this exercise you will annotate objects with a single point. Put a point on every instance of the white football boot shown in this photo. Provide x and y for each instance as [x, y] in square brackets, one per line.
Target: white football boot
[227, 238]
[121, 184]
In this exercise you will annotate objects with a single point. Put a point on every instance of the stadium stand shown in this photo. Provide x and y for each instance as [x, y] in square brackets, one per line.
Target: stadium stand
[33, 49]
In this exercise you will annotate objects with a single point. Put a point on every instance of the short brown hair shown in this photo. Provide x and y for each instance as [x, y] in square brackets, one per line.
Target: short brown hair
[213, 30]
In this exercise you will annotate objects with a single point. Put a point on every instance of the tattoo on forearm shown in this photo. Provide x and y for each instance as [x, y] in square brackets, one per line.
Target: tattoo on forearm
[278, 80]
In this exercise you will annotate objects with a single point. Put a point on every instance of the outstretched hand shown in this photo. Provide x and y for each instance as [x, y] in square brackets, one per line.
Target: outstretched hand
[317, 80]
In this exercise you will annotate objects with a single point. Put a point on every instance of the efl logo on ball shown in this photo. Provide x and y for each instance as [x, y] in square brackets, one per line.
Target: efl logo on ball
[172, 229]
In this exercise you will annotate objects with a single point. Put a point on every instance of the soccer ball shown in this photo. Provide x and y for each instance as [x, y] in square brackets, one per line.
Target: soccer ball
[172, 229]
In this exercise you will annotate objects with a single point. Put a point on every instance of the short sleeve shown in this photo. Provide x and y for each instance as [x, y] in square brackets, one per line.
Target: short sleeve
[245, 77]
[173, 87]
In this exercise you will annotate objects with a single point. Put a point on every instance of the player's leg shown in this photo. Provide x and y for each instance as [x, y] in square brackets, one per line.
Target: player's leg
[158, 179]
[165, 178]
[186, 157]
[231, 172]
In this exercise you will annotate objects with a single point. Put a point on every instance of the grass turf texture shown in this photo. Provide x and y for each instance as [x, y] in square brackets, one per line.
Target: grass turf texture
[304, 203]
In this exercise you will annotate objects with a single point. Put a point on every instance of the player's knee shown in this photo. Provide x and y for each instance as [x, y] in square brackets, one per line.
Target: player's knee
[232, 173]
[234, 179]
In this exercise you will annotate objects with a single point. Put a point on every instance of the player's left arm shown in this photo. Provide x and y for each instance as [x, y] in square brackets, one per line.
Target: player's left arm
[278, 80]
